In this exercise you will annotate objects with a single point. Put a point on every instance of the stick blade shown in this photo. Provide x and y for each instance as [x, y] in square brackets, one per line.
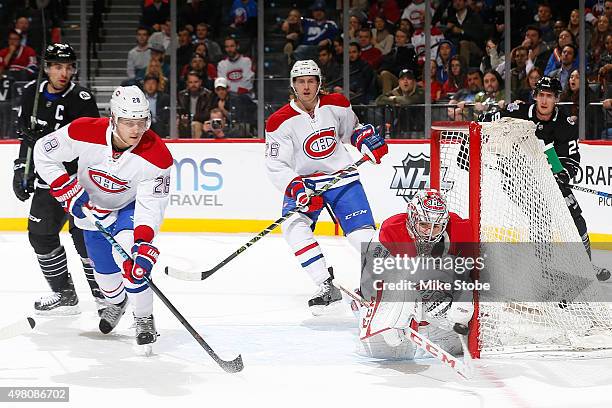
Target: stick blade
[22, 326]
[234, 366]
[182, 275]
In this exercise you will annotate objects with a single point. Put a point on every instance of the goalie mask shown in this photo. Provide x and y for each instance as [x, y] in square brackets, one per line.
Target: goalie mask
[427, 216]
[131, 103]
[305, 68]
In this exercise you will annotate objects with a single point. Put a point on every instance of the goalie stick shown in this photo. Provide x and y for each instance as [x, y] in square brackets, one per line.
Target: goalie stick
[22, 326]
[464, 369]
[232, 366]
[200, 276]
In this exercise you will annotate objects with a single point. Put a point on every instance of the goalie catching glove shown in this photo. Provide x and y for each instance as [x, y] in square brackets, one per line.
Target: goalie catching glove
[144, 257]
[367, 140]
[302, 195]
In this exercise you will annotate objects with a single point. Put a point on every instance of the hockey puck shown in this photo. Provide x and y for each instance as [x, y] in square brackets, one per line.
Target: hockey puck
[461, 329]
[32, 322]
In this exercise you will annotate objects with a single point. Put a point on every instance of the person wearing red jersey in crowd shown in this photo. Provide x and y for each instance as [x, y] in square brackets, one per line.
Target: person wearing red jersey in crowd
[304, 151]
[19, 60]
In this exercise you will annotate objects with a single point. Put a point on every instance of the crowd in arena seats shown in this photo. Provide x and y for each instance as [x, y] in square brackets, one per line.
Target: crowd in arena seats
[216, 55]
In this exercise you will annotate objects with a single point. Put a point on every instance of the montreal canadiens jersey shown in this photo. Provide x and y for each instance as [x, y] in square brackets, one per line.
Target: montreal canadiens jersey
[140, 174]
[312, 147]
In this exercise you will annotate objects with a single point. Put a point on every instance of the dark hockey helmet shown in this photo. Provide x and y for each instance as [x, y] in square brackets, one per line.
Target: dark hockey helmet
[549, 84]
[60, 52]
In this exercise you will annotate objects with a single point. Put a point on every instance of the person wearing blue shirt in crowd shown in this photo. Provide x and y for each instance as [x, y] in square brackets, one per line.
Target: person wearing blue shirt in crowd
[317, 31]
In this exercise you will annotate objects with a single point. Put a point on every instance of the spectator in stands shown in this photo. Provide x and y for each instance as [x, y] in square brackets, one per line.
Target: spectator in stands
[243, 16]
[158, 53]
[545, 24]
[436, 86]
[185, 49]
[362, 78]
[388, 9]
[238, 109]
[598, 39]
[18, 60]
[559, 26]
[292, 28]
[236, 68]
[381, 37]
[163, 36]
[369, 53]
[605, 61]
[568, 58]
[338, 48]
[138, 57]
[465, 30]
[192, 103]
[445, 52]
[492, 97]
[330, 69]
[317, 31]
[418, 40]
[355, 24]
[415, 13]
[406, 26]
[155, 15]
[571, 94]
[205, 70]
[155, 69]
[493, 59]
[554, 61]
[402, 55]
[538, 51]
[518, 73]
[201, 37]
[457, 77]
[466, 95]
[407, 92]
[525, 92]
[22, 26]
[215, 127]
[194, 12]
[574, 27]
[159, 105]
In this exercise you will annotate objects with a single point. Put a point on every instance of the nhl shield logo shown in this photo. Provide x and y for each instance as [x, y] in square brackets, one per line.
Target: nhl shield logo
[413, 175]
[321, 144]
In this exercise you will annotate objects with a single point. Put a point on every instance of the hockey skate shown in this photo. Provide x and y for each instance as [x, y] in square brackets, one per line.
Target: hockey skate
[111, 315]
[100, 300]
[63, 303]
[326, 298]
[146, 334]
[601, 273]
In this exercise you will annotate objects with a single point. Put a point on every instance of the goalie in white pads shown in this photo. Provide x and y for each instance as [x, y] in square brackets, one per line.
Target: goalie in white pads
[402, 297]
[123, 178]
[304, 151]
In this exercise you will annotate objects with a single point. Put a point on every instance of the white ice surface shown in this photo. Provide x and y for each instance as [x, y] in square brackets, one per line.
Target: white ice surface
[255, 306]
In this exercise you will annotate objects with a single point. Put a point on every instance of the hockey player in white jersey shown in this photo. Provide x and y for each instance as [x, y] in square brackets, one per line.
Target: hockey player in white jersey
[304, 150]
[427, 230]
[123, 178]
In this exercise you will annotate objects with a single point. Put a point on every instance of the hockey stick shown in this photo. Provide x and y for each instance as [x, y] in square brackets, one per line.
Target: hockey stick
[464, 369]
[200, 276]
[589, 190]
[22, 326]
[233, 366]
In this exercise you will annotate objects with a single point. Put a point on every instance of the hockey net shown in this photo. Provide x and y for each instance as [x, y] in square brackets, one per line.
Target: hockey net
[544, 295]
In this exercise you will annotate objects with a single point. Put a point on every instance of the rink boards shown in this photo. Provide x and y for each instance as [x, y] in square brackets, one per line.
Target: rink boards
[223, 186]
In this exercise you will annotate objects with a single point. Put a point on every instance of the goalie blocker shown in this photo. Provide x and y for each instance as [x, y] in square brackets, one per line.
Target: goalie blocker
[415, 298]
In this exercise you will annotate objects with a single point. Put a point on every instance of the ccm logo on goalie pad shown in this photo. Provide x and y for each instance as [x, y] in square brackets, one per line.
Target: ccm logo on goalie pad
[107, 182]
[321, 144]
[444, 357]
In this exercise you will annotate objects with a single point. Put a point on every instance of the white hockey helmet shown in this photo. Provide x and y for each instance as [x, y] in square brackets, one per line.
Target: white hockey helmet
[427, 206]
[131, 103]
[305, 68]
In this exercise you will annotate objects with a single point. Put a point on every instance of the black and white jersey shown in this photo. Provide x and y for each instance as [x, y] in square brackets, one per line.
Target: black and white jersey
[55, 110]
[560, 130]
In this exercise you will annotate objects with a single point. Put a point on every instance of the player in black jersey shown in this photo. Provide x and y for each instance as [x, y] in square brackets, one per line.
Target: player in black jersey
[60, 101]
[553, 126]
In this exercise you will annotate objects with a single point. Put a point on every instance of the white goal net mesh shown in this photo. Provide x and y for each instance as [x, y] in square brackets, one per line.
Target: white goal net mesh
[544, 294]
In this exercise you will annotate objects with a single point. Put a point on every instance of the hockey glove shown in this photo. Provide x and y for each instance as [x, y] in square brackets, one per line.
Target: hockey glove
[30, 136]
[297, 191]
[21, 186]
[70, 194]
[144, 256]
[562, 178]
[367, 140]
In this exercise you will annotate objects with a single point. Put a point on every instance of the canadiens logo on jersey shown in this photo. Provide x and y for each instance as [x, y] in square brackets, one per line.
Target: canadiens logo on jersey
[235, 75]
[321, 144]
[107, 182]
